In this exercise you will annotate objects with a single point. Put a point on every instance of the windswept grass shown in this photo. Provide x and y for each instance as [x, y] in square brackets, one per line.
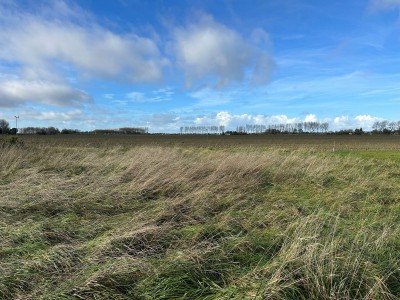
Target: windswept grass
[154, 222]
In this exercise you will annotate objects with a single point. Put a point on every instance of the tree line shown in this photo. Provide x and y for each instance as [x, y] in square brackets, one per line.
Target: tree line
[39, 130]
[53, 130]
[300, 127]
[378, 127]
[386, 127]
[5, 129]
[124, 130]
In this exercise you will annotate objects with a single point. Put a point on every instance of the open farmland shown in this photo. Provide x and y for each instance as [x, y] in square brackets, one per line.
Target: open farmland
[305, 141]
[200, 217]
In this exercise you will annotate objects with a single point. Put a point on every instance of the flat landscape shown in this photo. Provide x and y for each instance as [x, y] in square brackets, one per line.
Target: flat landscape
[200, 217]
[380, 142]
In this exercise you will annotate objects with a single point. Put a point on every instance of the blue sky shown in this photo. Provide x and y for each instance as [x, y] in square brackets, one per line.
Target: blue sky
[165, 64]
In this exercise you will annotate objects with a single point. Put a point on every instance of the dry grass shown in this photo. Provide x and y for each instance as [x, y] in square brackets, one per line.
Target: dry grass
[154, 222]
[290, 141]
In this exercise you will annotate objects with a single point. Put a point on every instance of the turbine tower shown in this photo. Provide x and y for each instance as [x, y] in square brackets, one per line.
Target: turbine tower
[16, 122]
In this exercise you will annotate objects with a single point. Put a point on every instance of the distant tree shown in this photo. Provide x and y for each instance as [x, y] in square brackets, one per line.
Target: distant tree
[392, 126]
[13, 131]
[386, 131]
[344, 132]
[105, 131]
[384, 125]
[235, 133]
[241, 129]
[271, 130]
[358, 131]
[325, 126]
[52, 130]
[133, 130]
[4, 126]
[69, 131]
[376, 126]
[41, 131]
[28, 130]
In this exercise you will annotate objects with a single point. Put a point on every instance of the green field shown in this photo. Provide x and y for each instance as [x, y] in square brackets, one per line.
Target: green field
[200, 217]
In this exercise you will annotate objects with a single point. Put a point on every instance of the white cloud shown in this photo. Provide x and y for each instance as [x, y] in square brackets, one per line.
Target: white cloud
[221, 118]
[277, 119]
[52, 45]
[37, 116]
[231, 120]
[17, 92]
[57, 116]
[346, 122]
[43, 43]
[227, 119]
[208, 49]
[224, 118]
[341, 121]
[311, 118]
[366, 121]
[367, 118]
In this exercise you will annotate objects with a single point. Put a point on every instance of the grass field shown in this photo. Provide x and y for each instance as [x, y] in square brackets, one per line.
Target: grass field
[200, 217]
[306, 141]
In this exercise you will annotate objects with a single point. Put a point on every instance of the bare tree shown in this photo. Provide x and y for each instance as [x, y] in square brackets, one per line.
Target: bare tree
[376, 125]
[384, 125]
[325, 126]
[392, 126]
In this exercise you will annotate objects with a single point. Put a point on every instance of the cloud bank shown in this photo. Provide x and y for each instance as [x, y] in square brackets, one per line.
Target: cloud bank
[48, 44]
[55, 47]
[17, 92]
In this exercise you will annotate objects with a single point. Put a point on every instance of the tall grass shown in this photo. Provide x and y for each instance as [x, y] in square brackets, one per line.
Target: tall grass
[155, 222]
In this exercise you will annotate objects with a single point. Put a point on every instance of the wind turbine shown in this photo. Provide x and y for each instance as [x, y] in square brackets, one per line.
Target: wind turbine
[16, 122]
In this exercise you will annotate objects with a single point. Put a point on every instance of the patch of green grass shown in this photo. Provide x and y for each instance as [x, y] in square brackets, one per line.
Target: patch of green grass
[382, 154]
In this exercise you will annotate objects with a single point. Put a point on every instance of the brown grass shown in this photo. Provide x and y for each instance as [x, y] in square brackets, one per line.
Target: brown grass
[156, 222]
